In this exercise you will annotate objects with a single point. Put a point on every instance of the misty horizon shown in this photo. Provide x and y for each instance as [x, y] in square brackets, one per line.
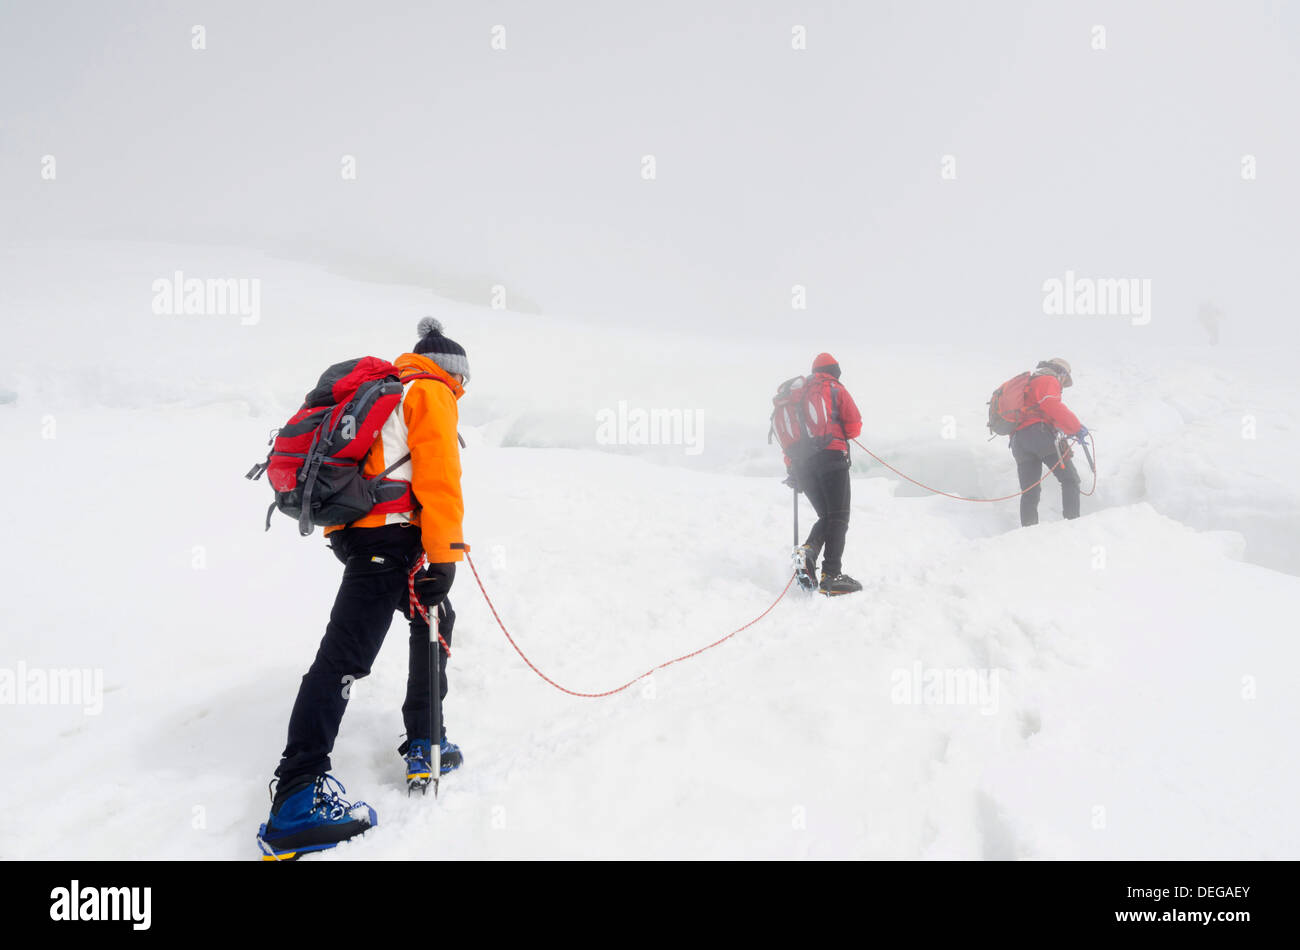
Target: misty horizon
[775, 167]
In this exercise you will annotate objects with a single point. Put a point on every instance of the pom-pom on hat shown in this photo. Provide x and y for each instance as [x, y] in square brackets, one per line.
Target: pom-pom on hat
[446, 352]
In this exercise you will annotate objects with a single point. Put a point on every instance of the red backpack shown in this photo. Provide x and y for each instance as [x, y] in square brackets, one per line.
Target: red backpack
[1007, 405]
[805, 416]
[316, 460]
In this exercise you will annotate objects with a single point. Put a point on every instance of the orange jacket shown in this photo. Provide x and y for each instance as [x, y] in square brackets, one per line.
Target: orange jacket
[424, 424]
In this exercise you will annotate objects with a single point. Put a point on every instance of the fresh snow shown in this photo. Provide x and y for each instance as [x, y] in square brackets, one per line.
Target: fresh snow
[1140, 665]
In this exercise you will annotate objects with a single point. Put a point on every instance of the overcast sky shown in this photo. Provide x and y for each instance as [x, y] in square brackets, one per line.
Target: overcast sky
[774, 166]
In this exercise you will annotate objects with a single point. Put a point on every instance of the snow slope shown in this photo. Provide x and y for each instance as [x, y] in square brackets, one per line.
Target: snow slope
[1132, 672]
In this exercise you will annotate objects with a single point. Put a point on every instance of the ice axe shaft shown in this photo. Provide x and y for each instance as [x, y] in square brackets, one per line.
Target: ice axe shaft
[435, 697]
[795, 493]
[799, 553]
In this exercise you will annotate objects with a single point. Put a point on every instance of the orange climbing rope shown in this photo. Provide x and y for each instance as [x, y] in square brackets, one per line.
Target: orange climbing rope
[610, 692]
[418, 607]
[1065, 458]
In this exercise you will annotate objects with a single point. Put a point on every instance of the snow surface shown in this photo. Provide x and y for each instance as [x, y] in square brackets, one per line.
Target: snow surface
[1139, 665]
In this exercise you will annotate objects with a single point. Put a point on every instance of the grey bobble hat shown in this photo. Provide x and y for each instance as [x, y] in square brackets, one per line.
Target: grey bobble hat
[447, 353]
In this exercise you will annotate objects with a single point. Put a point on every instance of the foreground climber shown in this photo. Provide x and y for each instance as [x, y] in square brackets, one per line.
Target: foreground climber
[417, 451]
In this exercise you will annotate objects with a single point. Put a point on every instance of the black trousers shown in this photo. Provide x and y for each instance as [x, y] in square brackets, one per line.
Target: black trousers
[377, 562]
[1033, 447]
[824, 478]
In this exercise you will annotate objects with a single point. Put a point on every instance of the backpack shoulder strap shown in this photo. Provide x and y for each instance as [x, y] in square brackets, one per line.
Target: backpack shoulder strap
[419, 374]
[408, 378]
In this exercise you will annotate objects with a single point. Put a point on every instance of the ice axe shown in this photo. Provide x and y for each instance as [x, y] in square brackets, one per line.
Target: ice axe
[797, 552]
[435, 696]
[795, 494]
[433, 616]
[1087, 453]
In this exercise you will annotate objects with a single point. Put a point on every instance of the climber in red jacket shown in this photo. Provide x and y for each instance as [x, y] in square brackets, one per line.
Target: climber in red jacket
[824, 475]
[1037, 442]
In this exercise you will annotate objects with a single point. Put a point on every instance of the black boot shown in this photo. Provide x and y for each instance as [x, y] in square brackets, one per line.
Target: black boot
[833, 585]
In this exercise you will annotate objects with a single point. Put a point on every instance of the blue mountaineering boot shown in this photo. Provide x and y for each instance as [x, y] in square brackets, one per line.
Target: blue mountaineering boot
[419, 762]
[312, 817]
[451, 757]
[419, 765]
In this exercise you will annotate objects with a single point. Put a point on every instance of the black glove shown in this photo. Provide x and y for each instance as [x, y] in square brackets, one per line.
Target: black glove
[791, 479]
[433, 583]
